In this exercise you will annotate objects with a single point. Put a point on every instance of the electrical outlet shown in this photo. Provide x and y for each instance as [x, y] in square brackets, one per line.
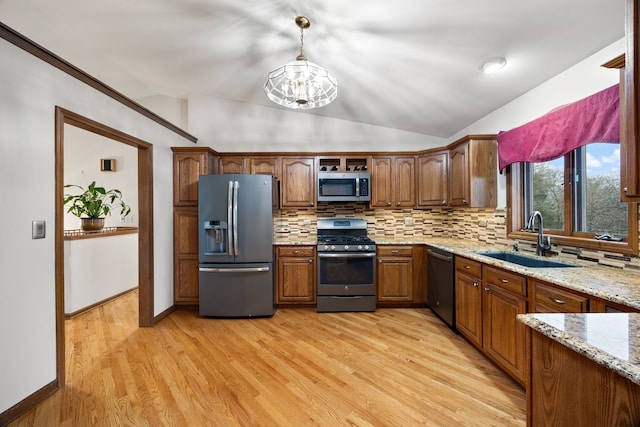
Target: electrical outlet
[482, 223]
[408, 221]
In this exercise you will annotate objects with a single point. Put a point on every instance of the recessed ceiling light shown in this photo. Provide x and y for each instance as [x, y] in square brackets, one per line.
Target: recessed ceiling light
[492, 65]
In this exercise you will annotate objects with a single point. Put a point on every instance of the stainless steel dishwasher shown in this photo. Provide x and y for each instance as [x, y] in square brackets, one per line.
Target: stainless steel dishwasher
[441, 294]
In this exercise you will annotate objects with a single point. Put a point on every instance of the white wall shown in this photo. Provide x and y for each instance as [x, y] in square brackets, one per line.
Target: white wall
[98, 268]
[230, 126]
[581, 80]
[82, 153]
[30, 90]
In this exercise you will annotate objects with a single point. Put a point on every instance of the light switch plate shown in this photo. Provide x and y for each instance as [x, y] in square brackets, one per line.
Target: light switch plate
[38, 229]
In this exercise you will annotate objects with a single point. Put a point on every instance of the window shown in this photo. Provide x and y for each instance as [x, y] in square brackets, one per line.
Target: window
[579, 198]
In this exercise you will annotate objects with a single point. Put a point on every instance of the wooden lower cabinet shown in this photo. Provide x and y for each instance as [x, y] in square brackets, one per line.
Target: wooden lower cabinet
[503, 337]
[469, 300]
[400, 275]
[185, 268]
[295, 275]
[488, 299]
[547, 298]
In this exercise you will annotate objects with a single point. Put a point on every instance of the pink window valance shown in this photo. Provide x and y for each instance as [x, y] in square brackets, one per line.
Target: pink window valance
[592, 119]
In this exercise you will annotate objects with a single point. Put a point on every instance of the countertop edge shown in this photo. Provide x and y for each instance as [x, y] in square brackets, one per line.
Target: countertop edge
[623, 368]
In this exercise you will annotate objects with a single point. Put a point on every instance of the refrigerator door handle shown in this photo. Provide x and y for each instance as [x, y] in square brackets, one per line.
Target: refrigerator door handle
[229, 218]
[236, 185]
[234, 270]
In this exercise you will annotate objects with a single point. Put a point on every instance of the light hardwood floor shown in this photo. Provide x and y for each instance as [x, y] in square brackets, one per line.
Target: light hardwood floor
[394, 367]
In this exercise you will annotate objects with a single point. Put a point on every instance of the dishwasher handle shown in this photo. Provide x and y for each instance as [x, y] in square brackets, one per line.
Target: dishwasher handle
[439, 256]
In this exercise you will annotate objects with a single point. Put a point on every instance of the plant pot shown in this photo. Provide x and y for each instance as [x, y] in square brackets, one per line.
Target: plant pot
[92, 224]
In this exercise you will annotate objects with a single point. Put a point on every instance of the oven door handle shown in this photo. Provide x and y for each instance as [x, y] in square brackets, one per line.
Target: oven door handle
[347, 255]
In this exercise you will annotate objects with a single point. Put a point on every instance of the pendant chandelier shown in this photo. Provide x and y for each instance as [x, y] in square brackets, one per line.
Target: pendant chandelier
[301, 84]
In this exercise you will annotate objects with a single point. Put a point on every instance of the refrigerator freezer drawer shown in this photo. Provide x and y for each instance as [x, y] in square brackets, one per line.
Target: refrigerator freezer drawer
[236, 290]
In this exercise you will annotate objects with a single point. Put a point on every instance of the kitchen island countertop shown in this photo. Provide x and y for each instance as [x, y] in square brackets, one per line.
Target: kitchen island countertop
[609, 339]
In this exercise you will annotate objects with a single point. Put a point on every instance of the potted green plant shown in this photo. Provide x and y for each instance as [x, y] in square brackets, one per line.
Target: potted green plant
[92, 204]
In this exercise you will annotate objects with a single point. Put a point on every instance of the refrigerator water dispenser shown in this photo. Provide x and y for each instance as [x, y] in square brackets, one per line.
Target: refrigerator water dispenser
[215, 237]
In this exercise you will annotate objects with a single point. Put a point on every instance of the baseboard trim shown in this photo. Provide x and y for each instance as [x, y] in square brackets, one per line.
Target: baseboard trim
[28, 403]
[164, 314]
[98, 304]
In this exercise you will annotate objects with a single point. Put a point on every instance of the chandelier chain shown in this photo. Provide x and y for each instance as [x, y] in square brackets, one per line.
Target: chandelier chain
[301, 40]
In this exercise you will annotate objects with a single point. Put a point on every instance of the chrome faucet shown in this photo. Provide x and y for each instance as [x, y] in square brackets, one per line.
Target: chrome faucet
[544, 242]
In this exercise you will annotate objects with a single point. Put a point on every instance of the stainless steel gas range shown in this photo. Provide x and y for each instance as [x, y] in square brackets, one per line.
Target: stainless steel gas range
[346, 266]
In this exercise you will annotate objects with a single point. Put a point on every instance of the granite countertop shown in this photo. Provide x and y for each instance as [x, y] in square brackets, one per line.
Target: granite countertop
[609, 283]
[610, 339]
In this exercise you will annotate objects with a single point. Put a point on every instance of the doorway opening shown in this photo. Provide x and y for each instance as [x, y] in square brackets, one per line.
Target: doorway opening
[145, 223]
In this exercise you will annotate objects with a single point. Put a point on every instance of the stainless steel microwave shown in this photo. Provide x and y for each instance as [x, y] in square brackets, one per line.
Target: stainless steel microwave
[344, 187]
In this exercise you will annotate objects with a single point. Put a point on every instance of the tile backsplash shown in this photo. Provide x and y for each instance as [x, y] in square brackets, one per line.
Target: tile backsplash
[478, 225]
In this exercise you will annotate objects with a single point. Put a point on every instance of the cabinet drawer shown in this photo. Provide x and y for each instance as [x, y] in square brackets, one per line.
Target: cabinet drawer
[395, 251]
[506, 280]
[468, 266]
[295, 251]
[551, 299]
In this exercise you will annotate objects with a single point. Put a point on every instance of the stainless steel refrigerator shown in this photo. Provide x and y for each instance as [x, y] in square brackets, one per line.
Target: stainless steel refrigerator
[235, 214]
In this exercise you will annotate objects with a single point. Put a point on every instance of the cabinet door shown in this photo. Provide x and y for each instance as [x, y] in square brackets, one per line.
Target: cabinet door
[296, 275]
[381, 185]
[185, 243]
[404, 188]
[469, 307]
[503, 336]
[459, 175]
[265, 166]
[395, 279]
[187, 167]
[232, 164]
[432, 179]
[298, 182]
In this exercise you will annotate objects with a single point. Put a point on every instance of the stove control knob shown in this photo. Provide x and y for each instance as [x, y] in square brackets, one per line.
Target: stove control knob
[360, 247]
[366, 247]
[326, 248]
[333, 248]
[346, 247]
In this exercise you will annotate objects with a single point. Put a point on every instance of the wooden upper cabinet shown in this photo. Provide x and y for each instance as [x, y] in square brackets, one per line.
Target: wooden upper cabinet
[265, 166]
[232, 164]
[473, 172]
[188, 164]
[404, 189]
[381, 187]
[432, 171]
[298, 182]
[393, 182]
[629, 150]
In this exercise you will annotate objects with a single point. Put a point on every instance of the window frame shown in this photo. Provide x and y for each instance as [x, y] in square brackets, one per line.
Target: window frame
[516, 220]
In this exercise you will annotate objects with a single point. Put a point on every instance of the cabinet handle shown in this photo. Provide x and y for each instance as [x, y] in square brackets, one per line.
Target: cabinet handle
[395, 251]
[625, 189]
[444, 202]
[465, 201]
[476, 284]
[397, 203]
[296, 252]
[503, 281]
[467, 267]
[487, 289]
[388, 203]
[556, 300]
[310, 259]
[311, 204]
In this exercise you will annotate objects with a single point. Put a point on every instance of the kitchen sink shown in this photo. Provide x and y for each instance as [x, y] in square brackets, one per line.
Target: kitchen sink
[525, 261]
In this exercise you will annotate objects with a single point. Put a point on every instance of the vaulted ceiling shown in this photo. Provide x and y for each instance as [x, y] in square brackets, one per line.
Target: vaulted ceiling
[405, 64]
